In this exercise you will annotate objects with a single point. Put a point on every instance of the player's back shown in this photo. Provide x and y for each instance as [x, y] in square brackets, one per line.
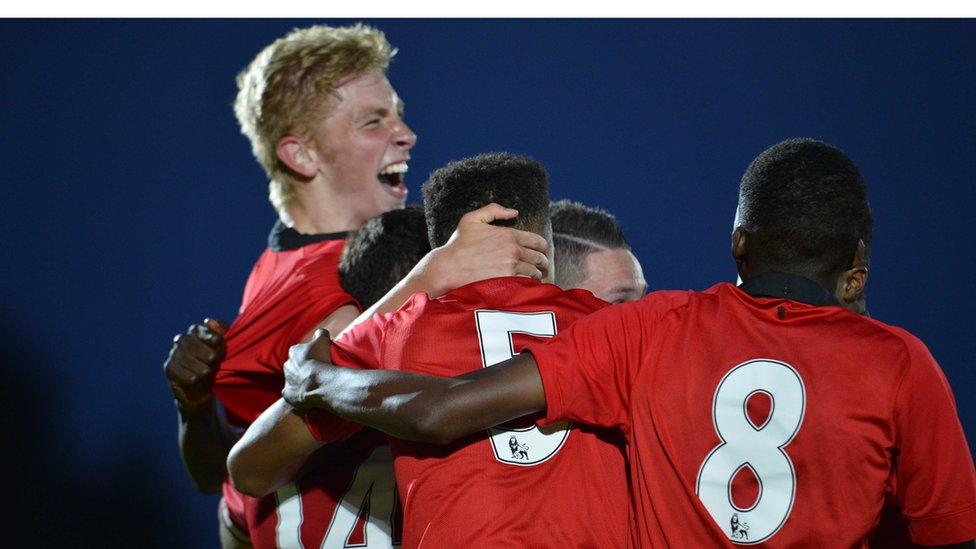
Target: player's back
[519, 487]
[758, 419]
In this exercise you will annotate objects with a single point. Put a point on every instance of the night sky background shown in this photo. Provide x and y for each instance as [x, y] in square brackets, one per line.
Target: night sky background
[132, 206]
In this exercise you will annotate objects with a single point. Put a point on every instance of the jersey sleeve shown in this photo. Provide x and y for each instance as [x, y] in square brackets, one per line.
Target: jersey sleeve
[587, 371]
[936, 485]
[360, 348]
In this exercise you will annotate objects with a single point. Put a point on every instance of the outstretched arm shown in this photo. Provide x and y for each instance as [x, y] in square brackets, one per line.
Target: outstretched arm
[413, 406]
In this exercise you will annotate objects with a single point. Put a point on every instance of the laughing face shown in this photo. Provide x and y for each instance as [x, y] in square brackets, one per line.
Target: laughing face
[364, 146]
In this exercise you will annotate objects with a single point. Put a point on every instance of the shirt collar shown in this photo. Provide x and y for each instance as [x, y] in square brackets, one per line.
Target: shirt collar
[283, 238]
[788, 286]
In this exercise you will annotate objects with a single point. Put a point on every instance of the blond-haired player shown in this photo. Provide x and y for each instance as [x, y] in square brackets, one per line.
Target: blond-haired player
[327, 126]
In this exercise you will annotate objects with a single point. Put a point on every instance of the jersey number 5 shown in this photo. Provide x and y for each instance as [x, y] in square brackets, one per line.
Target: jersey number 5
[759, 448]
[530, 445]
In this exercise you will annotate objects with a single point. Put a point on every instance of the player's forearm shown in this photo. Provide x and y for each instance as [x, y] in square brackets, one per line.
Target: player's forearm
[415, 406]
[272, 451]
[204, 442]
[392, 402]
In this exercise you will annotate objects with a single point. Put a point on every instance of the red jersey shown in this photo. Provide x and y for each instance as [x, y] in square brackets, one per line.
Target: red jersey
[289, 292]
[516, 485]
[752, 418]
[350, 499]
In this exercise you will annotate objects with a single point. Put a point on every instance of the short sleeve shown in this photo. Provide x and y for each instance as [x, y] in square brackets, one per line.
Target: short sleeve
[588, 370]
[359, 348]
[936, 485]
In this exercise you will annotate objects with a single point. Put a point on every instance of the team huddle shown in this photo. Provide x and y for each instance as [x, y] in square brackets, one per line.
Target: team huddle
[487, 371]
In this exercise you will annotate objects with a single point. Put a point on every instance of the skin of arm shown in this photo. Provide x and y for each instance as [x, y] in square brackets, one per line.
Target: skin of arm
[204, 438]
[271, 452]
[476, 251]
[413, 406]
[275, 447]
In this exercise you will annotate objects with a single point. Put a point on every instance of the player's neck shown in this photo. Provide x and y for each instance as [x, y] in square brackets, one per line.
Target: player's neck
[315, 210]
[827, 282]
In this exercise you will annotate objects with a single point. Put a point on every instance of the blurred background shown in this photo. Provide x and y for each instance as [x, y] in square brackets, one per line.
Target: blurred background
[132, 206]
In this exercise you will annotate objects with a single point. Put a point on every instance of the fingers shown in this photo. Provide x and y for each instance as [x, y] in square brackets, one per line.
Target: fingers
[533, 241]
[528, 269]
[218, 326]
[209, 337]
[190, 381]
[489, 213]
[320, 347]
[191, 373]
[534, 258]
[293, 396]
[196, 346]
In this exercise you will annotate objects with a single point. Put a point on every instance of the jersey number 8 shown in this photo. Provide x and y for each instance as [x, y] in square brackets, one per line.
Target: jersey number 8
[760, 448]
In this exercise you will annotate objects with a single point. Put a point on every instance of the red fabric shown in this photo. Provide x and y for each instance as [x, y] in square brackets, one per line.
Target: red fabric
[871, 392]
[287, 295]
[467, 494]
[236, 505]
[358, 473]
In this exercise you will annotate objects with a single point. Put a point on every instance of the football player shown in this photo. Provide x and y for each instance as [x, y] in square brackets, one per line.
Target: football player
[327, 127]
[771, 412]
[511, 485]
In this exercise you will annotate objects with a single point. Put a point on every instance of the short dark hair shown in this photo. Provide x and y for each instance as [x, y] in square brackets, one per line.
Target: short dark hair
[578, 231]
[805, 204]
[513, 181]
[382, 252]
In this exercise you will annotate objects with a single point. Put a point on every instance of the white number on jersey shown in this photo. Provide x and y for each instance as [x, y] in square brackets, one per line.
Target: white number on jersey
[530, 445]
[373, 491]
[759, 448]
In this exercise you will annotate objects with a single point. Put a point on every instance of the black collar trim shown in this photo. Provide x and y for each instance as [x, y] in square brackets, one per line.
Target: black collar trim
[284, 238]
[788, 286]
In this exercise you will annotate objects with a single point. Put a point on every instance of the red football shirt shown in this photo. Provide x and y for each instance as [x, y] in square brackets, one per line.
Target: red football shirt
[764, 419]
[288, 293]
[517, 485]
[350, 499]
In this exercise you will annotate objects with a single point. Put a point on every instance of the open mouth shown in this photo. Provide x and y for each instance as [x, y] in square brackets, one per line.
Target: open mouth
[392, 179]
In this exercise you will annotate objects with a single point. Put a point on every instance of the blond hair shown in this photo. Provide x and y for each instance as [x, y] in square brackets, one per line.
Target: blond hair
[282, 91]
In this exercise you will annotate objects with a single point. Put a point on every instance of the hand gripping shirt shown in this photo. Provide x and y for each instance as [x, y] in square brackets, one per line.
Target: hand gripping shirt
[766, 414]
[513, 486]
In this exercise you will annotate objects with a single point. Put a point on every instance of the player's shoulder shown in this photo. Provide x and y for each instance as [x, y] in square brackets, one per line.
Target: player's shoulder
[521, 293]
[911, 344]
[323, 255]
[661, 303]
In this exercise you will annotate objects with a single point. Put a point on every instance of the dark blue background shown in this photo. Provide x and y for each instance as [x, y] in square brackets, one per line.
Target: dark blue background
[132, 206]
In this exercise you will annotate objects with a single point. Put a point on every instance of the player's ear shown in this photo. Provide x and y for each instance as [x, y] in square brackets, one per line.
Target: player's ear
[850, 286]
[296, 153]
[740, 249]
